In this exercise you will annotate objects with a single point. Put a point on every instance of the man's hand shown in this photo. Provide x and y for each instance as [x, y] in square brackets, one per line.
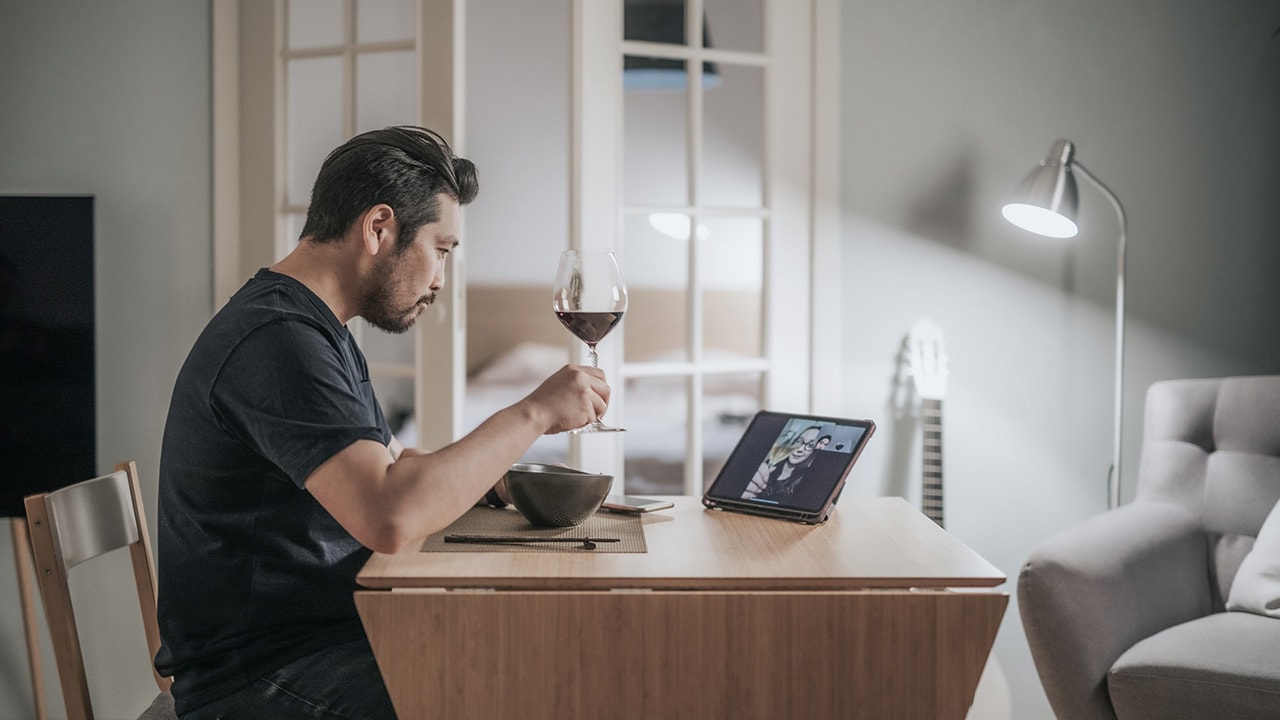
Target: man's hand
[569, 399]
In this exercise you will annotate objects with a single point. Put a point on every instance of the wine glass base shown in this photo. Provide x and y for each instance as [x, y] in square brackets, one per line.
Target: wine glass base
[596, 427]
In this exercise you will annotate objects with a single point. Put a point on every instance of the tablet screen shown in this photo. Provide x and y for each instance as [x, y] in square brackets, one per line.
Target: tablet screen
[791, 461]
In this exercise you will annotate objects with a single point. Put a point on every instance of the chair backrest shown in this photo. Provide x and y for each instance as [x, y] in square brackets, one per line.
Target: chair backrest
[1213, 447]
[76, 524]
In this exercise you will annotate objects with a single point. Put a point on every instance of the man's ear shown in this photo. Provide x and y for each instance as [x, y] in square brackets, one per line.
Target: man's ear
[378, 228]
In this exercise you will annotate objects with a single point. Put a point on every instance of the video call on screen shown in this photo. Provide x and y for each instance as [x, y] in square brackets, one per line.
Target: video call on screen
[825, 449]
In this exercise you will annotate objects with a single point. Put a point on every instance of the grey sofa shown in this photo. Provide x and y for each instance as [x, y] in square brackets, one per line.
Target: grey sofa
[1126, 613]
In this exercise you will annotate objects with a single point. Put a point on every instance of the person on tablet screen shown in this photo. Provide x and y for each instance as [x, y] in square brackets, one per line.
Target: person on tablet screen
[778, 482]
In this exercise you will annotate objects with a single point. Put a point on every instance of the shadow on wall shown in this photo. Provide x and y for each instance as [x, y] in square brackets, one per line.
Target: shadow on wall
[903, 411]
[949, 210]
[944, 210]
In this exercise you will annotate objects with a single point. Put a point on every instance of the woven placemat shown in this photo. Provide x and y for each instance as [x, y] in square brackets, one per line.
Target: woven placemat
[507, 522]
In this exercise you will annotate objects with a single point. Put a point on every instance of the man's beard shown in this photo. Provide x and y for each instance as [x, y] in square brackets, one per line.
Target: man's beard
[376, 304]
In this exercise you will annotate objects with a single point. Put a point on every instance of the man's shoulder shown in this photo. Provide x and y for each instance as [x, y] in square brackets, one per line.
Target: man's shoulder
[272, 300]
[265, 320]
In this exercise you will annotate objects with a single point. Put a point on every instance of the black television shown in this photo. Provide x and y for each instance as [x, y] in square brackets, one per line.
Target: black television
[48, 420]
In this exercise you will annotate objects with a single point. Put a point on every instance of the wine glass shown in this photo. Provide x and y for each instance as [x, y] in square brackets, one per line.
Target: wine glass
[590, 298]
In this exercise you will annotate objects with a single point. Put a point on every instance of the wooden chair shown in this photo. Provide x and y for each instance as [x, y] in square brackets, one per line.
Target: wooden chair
[78, 523]
[24, 560]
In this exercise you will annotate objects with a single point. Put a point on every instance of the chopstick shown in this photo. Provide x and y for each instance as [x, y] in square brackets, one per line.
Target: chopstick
[588, 543]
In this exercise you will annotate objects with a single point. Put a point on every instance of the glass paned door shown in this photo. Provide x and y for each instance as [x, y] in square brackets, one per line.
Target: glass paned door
[695, 226]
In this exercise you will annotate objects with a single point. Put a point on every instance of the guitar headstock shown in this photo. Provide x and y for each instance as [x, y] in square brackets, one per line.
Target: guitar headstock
[927, 359]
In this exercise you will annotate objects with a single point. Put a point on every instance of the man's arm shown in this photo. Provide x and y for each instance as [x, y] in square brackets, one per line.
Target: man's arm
[387, 499]
[397, 449]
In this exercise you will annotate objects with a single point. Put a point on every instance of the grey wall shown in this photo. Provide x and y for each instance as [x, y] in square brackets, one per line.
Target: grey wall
[1176, 106]
[112, 99]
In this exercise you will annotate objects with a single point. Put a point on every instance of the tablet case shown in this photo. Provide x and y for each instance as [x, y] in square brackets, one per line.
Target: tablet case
[789, 466]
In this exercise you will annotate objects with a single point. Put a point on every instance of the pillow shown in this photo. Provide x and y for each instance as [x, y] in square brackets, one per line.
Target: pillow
[1256, 588]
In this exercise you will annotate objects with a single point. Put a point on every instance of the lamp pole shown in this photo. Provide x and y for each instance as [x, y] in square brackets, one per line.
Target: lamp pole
[1113, 477]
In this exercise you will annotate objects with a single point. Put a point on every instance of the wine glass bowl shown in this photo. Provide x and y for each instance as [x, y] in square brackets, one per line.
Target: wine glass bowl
[590, 298]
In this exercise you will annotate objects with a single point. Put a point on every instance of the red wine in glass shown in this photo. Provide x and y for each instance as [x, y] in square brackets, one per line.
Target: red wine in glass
[589, 327]
[590, 298]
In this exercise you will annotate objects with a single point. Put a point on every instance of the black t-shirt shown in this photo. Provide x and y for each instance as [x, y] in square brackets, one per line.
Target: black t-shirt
[253, 572]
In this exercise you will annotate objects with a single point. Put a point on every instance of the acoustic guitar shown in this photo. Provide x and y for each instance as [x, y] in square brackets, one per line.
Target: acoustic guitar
[926, 357]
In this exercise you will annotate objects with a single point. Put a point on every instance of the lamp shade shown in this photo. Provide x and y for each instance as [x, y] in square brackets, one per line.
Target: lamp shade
[1046, 201]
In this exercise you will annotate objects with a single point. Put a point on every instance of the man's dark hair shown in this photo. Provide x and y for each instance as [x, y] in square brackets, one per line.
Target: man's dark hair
[406, 167]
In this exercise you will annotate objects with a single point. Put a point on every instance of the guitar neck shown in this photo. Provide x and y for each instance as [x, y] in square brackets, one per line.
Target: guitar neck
[931, 498]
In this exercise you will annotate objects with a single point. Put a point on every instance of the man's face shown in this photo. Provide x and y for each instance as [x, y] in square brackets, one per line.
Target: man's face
[402, 285]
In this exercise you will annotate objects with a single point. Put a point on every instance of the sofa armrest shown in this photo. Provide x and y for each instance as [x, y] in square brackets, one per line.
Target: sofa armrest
[1087, 594]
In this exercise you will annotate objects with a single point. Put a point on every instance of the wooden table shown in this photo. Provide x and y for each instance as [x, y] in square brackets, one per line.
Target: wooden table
[878, 613]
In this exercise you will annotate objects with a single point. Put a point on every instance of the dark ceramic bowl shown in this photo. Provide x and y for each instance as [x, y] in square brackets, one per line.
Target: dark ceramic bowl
[554, 496]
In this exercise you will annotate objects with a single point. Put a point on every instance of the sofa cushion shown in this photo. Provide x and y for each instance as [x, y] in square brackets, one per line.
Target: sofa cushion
[1225, 665]
[1256, 587]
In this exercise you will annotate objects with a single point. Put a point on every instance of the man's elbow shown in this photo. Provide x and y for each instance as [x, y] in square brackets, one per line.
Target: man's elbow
[388, 537]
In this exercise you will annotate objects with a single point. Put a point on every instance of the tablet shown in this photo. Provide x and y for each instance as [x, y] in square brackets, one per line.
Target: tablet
[789, 466]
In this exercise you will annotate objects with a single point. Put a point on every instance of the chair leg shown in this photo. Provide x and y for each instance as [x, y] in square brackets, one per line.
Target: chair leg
[26, 567]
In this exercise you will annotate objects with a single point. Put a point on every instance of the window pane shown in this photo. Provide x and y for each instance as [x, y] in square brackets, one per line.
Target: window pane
[656, 441]
[729, 400]
[384, 20]
[315, 23]
[656, 268]
[733, 139]
[314, 113]
[386, 90]
[660, 21]
[656, 139]
[731, 267]
[735, 24]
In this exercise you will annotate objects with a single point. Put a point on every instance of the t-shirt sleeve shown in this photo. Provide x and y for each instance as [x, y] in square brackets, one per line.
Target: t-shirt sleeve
[288, 392]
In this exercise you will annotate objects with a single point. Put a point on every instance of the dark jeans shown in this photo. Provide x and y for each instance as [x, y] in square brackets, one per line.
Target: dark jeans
[337, 683]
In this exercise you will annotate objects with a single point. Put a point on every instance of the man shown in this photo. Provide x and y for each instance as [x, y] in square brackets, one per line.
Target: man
[279, 474]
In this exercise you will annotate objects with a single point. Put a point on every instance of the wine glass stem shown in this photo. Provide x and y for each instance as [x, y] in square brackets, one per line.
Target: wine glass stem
[595, 360]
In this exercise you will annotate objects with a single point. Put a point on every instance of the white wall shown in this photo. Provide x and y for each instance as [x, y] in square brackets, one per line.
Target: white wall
[946, 106]
[112, 99]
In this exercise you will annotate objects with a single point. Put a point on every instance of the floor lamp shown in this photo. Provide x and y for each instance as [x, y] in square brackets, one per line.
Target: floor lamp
[1046, 203]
